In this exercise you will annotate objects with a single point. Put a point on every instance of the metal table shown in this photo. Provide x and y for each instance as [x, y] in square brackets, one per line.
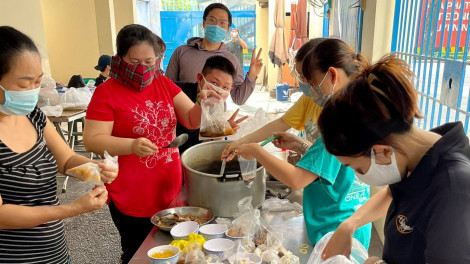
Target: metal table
[70, 117]
[295, 237]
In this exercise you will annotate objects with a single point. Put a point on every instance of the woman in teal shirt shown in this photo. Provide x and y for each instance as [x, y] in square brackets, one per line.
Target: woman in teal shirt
[331, 191]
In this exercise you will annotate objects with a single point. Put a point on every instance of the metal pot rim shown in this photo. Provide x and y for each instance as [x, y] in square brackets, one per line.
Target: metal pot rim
[203, 173]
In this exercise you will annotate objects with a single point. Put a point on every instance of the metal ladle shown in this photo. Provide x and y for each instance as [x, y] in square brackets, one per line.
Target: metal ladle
[178, 141]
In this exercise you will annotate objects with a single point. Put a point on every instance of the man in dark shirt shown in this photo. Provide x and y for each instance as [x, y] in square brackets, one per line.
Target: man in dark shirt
[217, 74]
[236, 45]
[104, 66]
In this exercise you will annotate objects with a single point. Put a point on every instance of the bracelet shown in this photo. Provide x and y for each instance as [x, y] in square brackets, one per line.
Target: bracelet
[380, 261]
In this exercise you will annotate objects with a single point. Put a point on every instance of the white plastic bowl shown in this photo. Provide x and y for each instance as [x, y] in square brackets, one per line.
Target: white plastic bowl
[171, 260]
[212, 231]
[217, 246]
[181, 231]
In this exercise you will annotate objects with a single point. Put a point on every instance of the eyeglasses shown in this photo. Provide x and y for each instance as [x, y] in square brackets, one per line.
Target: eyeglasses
[213, 21]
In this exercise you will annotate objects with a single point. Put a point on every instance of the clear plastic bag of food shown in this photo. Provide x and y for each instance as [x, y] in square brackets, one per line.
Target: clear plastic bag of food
[86, 172]
[289, 258]
[247, 168]
[90, 171]
[358, 253]
[213, 259]
[195, 256]
[213, 122]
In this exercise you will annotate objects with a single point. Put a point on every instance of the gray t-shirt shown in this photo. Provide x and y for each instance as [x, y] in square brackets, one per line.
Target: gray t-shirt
[188, 60]
[236, 49]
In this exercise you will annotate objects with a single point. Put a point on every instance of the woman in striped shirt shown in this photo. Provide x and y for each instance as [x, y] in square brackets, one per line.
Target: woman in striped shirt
[31, 153]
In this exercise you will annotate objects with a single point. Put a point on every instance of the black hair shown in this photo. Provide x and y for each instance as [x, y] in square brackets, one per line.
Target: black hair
[307, 47]
[333, 53]
[134, 34]
[12, 44]
[379, 102]
[219, 6]
[219, 63]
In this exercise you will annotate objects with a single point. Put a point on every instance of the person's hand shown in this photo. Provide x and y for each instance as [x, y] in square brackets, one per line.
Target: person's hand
[234, 123]
[204, 94]
[143, 147]
[91, 201]
[108, 173]
[287, 141]
[255, 65]
[340, 242]
[372, 260]
[248, 151]
[228, 152]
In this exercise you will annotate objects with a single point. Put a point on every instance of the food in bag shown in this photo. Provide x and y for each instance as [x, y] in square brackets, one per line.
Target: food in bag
[86, 172]
[213, 122]
[91, 171]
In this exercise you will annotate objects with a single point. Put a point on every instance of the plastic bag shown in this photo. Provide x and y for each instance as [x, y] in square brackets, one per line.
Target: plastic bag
[270, 256]
[48, 97]
[75, 98]
[86, 172]
[213, 122]
[358, 253]
[110, 160]
[224, 221]
[195, 256]
[288, 209]
[190, 253]
[252, 124]
[289, 258]
[213, 259]
[52, 110]
[48, 83]
[247, 168]
[91, 171]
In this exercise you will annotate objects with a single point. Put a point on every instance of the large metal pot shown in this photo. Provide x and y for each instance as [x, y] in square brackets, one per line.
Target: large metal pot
[206, 188]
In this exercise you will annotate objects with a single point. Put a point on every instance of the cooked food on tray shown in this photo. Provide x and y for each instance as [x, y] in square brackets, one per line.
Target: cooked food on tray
[173, 219]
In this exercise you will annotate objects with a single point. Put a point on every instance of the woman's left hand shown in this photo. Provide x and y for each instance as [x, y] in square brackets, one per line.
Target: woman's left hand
[247, 151]
[204, 94]
[108, 173]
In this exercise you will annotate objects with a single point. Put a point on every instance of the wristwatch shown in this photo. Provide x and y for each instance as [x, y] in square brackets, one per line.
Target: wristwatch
[303, 148]
[380, 261]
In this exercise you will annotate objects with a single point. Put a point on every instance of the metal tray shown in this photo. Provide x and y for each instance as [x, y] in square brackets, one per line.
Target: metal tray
[196, 211]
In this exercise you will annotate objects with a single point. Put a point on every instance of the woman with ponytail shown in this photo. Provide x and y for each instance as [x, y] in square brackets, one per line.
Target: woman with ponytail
[369, 127]
[331, 191]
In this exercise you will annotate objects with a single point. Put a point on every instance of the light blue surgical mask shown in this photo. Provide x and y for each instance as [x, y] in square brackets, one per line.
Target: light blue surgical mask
[214, 33]
[19, 102]
[305, 88]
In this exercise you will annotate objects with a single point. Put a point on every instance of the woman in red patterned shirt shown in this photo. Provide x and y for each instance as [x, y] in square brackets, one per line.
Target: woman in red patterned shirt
[133, 115]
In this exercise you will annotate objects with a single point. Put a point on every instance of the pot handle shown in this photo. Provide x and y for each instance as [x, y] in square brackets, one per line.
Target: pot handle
[224, 177]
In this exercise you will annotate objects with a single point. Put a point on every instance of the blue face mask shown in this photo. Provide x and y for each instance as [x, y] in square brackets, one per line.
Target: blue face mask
[19, 102]
[214, 33]
[305, 88]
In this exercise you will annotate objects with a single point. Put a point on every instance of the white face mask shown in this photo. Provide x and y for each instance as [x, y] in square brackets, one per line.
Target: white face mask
[318, 96]
[209, 86]
[379, 175]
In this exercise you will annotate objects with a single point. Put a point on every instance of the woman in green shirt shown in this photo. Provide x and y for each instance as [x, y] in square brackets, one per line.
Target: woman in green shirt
[331, 191]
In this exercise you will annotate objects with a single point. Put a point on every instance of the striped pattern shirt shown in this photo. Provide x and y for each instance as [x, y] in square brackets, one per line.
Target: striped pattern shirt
[29, 179]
